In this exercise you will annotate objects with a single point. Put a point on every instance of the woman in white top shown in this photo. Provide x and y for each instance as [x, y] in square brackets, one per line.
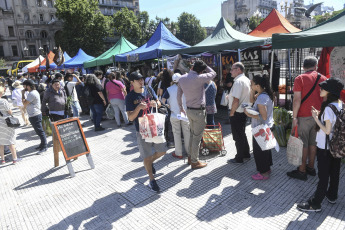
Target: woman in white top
[17, 100]
[328, 166]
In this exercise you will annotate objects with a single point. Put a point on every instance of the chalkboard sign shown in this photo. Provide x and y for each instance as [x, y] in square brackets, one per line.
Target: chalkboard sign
[71, 138]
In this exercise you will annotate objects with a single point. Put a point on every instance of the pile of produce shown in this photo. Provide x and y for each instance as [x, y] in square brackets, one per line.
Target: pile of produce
[282, 125]
[46, 125]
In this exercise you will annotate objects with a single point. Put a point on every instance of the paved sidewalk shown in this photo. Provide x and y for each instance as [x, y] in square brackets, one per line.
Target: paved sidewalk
[114, 195]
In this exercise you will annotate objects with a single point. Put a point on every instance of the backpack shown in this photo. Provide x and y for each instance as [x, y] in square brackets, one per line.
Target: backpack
[337, 143]
[88, 95]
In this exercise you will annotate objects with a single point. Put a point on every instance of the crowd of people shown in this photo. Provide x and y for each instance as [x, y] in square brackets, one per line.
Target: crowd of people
[190, 98]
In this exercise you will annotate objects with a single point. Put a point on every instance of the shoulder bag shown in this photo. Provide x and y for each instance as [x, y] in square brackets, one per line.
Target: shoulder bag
[312, 89]
[11, 121]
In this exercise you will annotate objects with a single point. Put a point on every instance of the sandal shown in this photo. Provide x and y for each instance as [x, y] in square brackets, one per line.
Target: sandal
[259, 176]
[3, 162]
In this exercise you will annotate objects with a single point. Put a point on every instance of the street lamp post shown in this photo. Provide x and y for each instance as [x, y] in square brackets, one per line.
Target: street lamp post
[26, 51]
[41, 51]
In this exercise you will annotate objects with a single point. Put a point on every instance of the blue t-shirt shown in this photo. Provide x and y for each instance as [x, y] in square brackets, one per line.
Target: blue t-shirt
[133, 99]
[263, 99]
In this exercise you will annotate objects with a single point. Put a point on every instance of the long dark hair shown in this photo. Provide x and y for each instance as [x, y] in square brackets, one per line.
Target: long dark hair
[264, 82]
[330, 98]
[166, 79]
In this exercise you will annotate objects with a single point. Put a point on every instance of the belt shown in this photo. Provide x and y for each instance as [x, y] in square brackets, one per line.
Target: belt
[200, 108]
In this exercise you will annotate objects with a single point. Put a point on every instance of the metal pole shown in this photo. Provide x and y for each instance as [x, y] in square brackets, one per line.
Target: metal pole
[290, 78]
[239, 55]
[271, 68]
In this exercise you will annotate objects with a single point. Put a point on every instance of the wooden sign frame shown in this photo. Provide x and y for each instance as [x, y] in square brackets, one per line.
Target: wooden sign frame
[60, 141]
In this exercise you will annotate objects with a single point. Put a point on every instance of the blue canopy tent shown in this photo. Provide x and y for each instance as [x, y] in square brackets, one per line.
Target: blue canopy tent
[162, 39]
[54, 66]
[78, 60]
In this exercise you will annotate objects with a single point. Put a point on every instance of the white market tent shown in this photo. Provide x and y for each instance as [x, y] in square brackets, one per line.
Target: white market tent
[32, 64]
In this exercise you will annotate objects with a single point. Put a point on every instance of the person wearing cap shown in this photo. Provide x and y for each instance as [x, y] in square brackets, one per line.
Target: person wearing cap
[17, 100]
[178, 125]
[56, 99]
[192, 86]
[59, 77]
[302, 116]
[328, 166]
[32, 103]
[139, 99]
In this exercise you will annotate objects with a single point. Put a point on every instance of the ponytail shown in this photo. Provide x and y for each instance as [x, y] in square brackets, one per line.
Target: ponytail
[264, 82]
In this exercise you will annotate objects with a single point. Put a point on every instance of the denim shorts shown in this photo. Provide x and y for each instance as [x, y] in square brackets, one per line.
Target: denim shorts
[145, 148]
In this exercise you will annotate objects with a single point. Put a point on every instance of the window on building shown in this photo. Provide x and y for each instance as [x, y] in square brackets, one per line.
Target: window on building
[2, 54]
[29, 34]
[44, 34]
[14, 51]
[11, 31]
[51, 16]
[41, 17]
[26, 17]
[25, 2]
[50, 3]
[39, 3]
[32, 50]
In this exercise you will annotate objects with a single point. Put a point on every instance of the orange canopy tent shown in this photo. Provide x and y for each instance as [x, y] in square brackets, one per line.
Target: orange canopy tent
[35, 69]
[273, 23]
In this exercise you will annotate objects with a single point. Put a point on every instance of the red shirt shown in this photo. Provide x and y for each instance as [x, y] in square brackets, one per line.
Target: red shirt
[303, 83]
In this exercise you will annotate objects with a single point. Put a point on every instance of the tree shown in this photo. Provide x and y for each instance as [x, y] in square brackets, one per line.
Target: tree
[2, 63]
[126, 24]
[84, 26]
[254, 21]
[322, 18]
[189, 29]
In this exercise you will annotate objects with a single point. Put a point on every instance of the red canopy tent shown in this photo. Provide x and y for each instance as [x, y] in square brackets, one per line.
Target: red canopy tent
[35, 69]
[273, 23]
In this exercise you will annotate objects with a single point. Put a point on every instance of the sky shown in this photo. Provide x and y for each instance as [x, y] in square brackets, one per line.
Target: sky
[207, 11]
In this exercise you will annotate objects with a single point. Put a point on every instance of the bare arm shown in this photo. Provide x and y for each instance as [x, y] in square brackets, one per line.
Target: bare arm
[134, 114]
[102, 96]
[296, 105]
[179, 99]
[234, 107]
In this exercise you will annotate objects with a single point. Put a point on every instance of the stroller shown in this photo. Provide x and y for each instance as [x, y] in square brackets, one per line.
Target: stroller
[212, 140]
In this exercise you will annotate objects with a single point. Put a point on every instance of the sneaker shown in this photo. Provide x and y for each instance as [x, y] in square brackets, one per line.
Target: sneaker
[331, 201]
[306, 207]
[310, 171]
[41, 151]
[154, 186]
[3, 162]
[38, 148]
[99, 129]
[297, 175]
[171, 145]
[129, 123]
[153, 170]
[17, 160]
[234, 161]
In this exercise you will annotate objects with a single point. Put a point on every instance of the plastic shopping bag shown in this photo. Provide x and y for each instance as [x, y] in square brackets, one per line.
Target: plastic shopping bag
[110, 112]
[160, 124]
[294, 149]
[264, 137]
[144, 126]
[224, 101]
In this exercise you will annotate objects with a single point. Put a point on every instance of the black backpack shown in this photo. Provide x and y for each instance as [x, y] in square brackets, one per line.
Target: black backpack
[68, 93]
[88, 94]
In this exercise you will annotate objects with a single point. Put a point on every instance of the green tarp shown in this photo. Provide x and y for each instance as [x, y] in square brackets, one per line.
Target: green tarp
[224, 37]
[107, 58]
[328, 34]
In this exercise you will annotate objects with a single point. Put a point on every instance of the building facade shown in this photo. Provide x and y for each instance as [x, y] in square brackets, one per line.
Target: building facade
[239, 11]
[110, 7]
[27, 28]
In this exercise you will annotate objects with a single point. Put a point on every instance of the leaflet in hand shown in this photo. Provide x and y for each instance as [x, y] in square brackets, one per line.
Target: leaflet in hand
[182, 117]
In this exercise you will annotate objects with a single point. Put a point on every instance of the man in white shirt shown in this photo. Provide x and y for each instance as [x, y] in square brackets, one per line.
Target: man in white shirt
[239, 94]
[72, 92]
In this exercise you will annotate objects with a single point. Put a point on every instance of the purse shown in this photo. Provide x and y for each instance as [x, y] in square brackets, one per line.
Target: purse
[11, 121]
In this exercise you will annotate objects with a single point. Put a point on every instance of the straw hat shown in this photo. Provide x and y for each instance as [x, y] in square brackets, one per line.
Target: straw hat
[17, 85]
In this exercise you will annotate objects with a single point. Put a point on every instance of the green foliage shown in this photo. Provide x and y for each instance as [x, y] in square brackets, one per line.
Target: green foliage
[230, 23]
[189, 29]
[282, 125]
[254, 21]
[126, 23]
[322, 18]
[84, 26]
[2, 63]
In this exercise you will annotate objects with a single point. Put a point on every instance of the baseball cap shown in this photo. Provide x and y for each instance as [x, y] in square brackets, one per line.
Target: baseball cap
[29, 82]
[176, 77]
[332, 85]
[135, 76]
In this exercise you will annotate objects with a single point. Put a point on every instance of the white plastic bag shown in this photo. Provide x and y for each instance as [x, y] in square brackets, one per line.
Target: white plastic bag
[160, 123]
[224, 101]
[110, 112]
[264, 137]
[294, 149]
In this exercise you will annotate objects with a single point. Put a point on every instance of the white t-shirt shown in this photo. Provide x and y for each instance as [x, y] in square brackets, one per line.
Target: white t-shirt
[70, 87]
[240, 90]
[34, 107]
[328, 115]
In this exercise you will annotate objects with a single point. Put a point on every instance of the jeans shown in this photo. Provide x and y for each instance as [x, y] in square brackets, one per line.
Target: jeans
[328, 171]
[75, 107]
[197, 122]
[97, 113]
[119, 106]
[179, 127]
[210, 121]
[36, 123]
[55, 117]
[238, 130]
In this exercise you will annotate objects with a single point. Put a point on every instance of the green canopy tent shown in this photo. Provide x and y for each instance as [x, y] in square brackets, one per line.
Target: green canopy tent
[224, 37]
[328, 34]
[108, 57]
